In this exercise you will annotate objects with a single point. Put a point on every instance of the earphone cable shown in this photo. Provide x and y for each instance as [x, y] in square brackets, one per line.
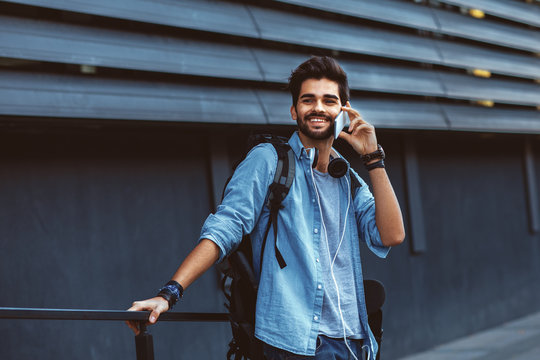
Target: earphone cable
[335, 256]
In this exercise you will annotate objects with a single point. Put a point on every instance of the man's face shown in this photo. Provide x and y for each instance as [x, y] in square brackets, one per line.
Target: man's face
[317, 107]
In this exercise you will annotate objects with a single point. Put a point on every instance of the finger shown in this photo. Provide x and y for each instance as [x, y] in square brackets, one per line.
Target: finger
[136, 306]
[160, 308]
[154, 315]
[353, 113]
[133, 326]
[355, 124]
[362, 128]
[356, 121]
[343, 135]
[142, 305]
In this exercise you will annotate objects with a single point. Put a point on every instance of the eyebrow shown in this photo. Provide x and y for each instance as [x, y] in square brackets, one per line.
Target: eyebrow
[325, 96]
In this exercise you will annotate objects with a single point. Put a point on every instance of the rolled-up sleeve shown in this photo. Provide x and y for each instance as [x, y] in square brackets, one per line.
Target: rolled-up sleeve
[243, 200]
[365, 220]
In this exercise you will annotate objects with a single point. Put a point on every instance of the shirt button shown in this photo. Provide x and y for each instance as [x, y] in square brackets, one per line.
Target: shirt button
[319, 286]
[316, 231]
[313, 200]
[315, 318]
[317, 259]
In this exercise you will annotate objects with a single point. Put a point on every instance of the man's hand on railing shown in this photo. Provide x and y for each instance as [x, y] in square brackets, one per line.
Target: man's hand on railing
[157, 305]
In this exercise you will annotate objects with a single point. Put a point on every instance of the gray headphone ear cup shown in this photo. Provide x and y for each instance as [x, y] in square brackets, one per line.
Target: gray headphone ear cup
[338, 167]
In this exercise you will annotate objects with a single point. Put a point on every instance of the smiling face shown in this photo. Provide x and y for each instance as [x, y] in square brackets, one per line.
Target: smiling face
[317, 106]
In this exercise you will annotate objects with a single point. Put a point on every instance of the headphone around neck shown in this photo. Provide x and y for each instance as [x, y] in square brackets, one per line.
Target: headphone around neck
[337, 167]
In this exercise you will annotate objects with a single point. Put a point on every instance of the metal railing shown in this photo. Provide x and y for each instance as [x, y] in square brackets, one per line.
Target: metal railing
[144, 344]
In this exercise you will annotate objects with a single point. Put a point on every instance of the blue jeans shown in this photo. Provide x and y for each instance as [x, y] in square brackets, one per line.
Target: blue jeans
[327, 349]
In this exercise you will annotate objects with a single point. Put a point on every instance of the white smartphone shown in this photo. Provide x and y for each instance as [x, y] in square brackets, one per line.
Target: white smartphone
[340, 122]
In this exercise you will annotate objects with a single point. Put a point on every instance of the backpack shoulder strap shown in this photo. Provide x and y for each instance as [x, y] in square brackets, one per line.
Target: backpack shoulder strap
[283, 177]
[355, 183]
[278, 190]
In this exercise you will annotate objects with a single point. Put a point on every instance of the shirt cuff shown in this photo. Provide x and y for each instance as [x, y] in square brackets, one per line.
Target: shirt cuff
[211, 237]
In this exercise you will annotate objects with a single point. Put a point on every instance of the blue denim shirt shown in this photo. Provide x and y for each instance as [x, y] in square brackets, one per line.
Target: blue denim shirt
[289, 301]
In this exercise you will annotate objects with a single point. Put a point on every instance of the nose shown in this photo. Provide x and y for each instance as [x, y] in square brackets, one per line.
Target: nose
[319, 106]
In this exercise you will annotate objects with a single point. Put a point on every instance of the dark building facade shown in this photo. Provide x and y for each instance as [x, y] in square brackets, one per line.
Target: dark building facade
[119, 123]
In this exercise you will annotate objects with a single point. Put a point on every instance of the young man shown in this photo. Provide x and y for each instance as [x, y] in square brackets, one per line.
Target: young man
[314, 307]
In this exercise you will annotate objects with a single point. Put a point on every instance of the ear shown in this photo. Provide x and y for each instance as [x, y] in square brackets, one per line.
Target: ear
[293, 113]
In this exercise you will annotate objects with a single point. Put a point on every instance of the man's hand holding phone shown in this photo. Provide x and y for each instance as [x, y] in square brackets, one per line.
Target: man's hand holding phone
[361, 135]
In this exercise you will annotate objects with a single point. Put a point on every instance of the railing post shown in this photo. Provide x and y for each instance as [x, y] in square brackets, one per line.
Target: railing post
[144, 344]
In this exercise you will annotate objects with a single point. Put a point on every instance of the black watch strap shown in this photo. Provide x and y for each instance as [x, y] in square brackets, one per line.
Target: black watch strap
[172, 292]
[375, 165]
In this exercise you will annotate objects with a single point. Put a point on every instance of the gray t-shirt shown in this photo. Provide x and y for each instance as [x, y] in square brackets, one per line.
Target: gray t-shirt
[333, 214]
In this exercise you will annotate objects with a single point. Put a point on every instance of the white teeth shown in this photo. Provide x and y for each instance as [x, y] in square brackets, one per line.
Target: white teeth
[317, 120]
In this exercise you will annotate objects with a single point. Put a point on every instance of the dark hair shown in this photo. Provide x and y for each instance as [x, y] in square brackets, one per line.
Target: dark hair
[319, 67]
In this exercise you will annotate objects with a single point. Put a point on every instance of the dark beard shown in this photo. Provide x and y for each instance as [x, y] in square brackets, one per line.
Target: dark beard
[304, 128]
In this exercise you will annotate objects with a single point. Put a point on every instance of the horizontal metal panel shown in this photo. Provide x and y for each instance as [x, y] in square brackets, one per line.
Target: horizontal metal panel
[388, 11]
[425, 18]
[277, 105]
[469, 57]
[48, 95]
[488, 31]
[66, 43]
[276, 65]
[206, 15]
[49, 41]
[492, 120]
[61, 96]
[502, 91]
[511, 10]
[312, 31]
[392, 114]
[367, 76]
[393, 79]
[223, 17]
[362, 75]
[74, 44]
[381, 113]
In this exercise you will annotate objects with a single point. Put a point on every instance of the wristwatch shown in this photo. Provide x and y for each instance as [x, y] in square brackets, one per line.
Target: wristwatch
[376, 155]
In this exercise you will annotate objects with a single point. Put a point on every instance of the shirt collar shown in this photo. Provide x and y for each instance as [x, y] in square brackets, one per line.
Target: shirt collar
[296, 145]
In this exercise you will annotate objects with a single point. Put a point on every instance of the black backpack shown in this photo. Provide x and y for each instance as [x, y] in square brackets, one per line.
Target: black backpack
[239, 284]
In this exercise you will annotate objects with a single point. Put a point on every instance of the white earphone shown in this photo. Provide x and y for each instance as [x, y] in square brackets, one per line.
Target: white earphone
[313, 155]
